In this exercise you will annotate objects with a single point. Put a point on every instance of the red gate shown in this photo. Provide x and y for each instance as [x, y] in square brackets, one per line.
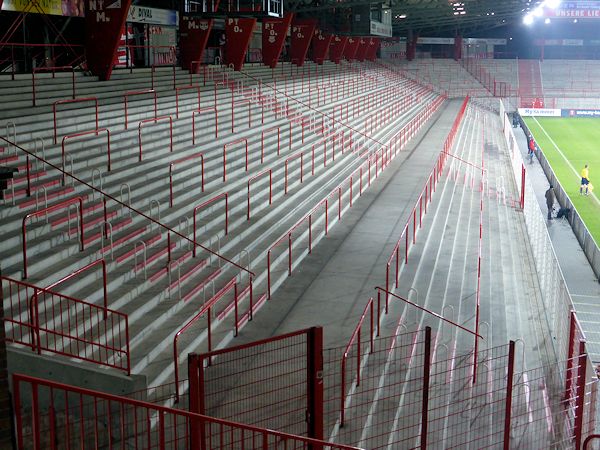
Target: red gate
[275, 383]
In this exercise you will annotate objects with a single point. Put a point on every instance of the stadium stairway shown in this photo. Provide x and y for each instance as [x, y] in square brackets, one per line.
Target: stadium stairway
[160, 296]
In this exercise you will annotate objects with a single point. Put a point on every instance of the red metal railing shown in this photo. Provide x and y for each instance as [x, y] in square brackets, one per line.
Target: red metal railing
[86, 133]
[200, 111]
[589, 439]
[53, 70]
[153, 70]
[132, 93]
[205, 310]
[237, 141]
[155, 120]
[206, 203]
[262, 141]
[185, 88]
[287, 160]
[66, 204]
[255, 177]
[71, 327]
[78, 272]
[77, 100]
[236, 103]
[356, 338]
[172, 167]
[92, 418]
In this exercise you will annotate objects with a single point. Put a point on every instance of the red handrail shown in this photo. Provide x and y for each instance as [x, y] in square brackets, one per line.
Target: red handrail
[262, 141]
[301, 155]
[48, 69]
[153, 69]
[258, 175]
[78, 314]
[356, 334]
[237, 141]
[132, 93]
[239, 102]
[324, 142]
[183, 88]
[205, 309]
[589, 439]
[155, 120]
[85, 133]
[76, 100]
[172, 166]
[122, 415]
[77, 272]
[206, 203]
[200, 111]
[47, 210]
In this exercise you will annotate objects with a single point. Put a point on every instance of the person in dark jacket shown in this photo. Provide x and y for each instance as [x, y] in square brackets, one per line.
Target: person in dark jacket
[550, 201]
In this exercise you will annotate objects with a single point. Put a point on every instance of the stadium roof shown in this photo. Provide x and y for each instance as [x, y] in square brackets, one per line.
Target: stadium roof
[435, 16]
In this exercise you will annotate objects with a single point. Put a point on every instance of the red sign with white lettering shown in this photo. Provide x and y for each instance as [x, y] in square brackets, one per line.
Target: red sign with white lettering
[104, 21]
[273, 37]
[351, 48]
[373, 47]
[302, 33]
[238, 32]
[194, 34]
[321, 42]
[337, 47]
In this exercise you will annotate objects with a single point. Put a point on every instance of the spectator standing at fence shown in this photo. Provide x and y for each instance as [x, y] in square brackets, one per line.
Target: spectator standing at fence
[530, 149]
[585, 180]
[550, 201]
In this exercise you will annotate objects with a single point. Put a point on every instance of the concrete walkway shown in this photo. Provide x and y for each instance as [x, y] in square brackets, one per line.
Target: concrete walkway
[580, 279]
[332, 286]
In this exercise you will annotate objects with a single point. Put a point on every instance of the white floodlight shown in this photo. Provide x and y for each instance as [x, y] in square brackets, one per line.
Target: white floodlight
[528, 19]
[538, 12]
[547, 21]
[553, 4]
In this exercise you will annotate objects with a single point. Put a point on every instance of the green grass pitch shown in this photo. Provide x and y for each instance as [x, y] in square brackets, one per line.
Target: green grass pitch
[569, 144]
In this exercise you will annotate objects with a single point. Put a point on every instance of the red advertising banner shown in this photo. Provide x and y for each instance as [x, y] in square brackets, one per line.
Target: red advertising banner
[351, 48]
[193, 34]
[361, 51]
[373, 47]
[273, 38]
[238, 32]
[337, 47]
[104, 21]
[321, 42]
[302, 33]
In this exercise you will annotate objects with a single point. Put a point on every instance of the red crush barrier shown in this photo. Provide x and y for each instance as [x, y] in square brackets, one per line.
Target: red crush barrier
[155, 120]
[53, 70]
[172, 168]
[76, 100]
[132, 93]
[206, 203]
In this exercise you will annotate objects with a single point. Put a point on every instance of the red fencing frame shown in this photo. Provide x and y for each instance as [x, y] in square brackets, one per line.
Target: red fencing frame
[356, 337]
[84, 312]
[172, 167]
[45, 211]
[182, 88]
[233, 105]
[48, 69]
[77, 272]
[153, 69]
[28, 435]
[237, 141]
[132, 93]
[200, 111]
[76, 100]
[155, 120]
[262, 141]
[85, 133]
[301, 155]
[258, 175]
[206, 309]
[206, 203]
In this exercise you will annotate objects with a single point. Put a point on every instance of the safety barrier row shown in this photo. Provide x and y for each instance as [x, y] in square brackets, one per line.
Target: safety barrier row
[53, 70]
[73, 417]
[46, 321]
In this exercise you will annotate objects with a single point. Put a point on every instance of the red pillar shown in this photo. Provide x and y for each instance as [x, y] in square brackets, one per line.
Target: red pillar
[337, 47]
[194, 34]
[321, 43]
[238, 32]
[104, 22]
[457, 48]
[273, 38]
[302, 33]
[315, 382]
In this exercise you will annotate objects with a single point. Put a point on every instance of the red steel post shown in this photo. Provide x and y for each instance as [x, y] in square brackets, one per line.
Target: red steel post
[509, 393]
